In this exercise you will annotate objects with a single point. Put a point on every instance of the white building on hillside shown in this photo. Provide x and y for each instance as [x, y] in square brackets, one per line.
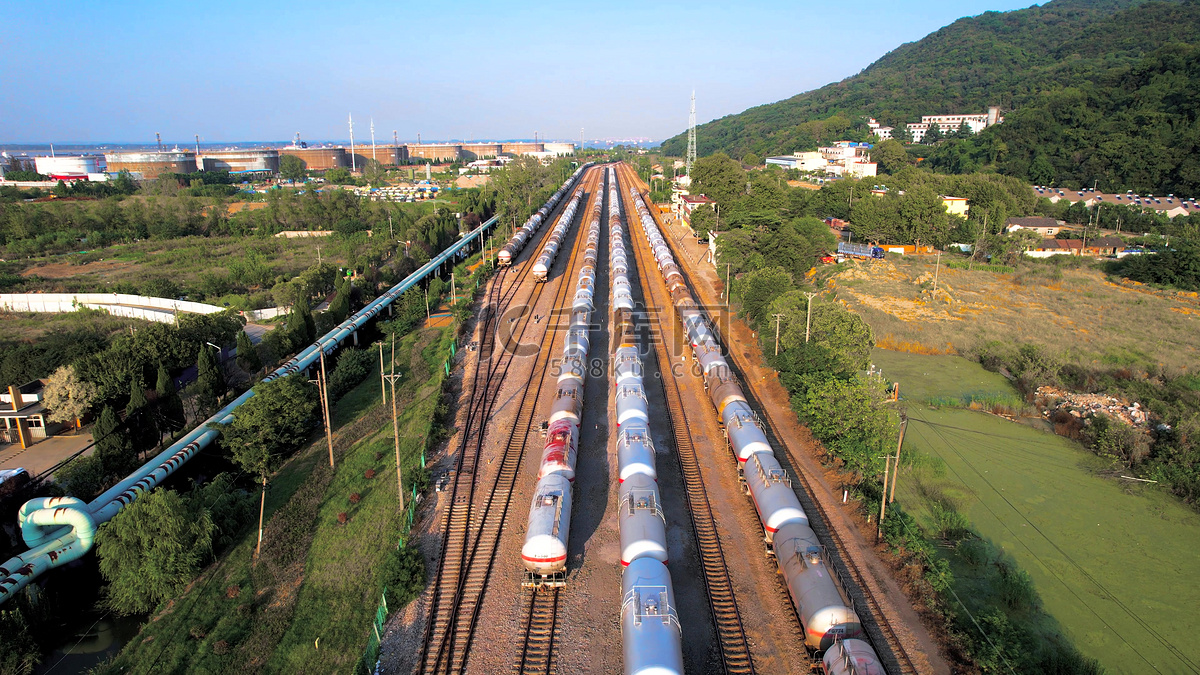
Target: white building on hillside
[951, 123]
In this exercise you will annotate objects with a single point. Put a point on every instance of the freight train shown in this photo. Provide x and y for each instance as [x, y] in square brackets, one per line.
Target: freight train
[554, 241]
[825, 612]
[544, 554]
[650, 631]
[523, 234]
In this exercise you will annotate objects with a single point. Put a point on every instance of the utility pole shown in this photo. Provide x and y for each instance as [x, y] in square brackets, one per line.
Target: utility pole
[777, 318]
[728, 285]
[453, 290]
[428, 316]
[899, 443]
[262, 506]
[325, 406]
[391, 231]
[936, 269]
[382, 379]
[882, 501]
[691, 149]
[395, 424]
[373, 140]
[808, 321]
[353, 166]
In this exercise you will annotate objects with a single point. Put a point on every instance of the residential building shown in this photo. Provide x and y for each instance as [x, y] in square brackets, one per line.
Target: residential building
[1169, 206]
[956, 206]
[951, 123]
[689, 203]
[23, 416]
[881, 131]
[1047, 227]
[804, 161]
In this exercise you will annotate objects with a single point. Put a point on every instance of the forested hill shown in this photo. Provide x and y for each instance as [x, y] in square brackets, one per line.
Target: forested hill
[1055, 69]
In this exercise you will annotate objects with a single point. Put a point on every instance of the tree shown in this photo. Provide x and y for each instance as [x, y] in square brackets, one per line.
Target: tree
[67, 397]
[170, 408]
[141, 432]
[113, 446]
[752, 160]
[759, 288]
[247, 355]
[847, 417]
[292, 168]
[151, 549]
[210, 381]
[271, 424]
[718, 177]
[890, 155]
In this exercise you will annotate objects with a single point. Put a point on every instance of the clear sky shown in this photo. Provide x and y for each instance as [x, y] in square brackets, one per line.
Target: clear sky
[119, 71]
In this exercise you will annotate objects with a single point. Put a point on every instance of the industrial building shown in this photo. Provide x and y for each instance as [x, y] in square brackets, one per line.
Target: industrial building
[318, 159]
[150, 164]
[387, 155]
[240, 160]
[559, 149]
[69, 166]
[437, 152]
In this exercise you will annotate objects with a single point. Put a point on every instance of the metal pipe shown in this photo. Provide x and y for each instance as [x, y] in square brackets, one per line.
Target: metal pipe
[60, 530]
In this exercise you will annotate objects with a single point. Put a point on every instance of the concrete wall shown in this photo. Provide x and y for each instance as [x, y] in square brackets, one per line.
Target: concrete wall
[162, 310]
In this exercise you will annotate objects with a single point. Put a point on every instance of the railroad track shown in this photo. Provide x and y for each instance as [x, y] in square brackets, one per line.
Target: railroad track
[877, 625]
[471, 532]
[540, 628]
[731, 635]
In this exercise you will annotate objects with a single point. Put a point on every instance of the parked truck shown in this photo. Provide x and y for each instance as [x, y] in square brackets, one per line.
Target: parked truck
[864, 251]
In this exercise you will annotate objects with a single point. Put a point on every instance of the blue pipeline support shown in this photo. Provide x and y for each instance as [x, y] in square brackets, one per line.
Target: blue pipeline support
[61, 529]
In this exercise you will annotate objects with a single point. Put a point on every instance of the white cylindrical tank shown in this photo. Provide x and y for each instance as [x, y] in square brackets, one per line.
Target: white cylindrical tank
[558, 455]
[771, 490]
[640, 518]
[545, 549]
[635, 451]
[851, 657]
[824, 614]
[650, 631]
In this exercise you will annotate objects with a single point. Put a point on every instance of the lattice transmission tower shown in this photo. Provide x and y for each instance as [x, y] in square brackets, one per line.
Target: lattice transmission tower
[691, 151]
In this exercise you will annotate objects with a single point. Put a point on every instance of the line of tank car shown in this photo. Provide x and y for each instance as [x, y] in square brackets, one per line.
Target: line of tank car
[523, 234]
[651, 632]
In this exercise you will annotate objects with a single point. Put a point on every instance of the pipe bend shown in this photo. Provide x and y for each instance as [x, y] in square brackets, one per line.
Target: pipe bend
[45, 518]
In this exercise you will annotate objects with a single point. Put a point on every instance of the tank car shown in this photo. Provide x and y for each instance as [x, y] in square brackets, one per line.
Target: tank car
[627, 365]
[746, 437]
[640, 520]
[635, 452]
[568, 402]
[631, 404]
[851, 657]
[650, 630]
[573, 367]
[545, 548]
[771, 489]
[558, 455]
[824, 614]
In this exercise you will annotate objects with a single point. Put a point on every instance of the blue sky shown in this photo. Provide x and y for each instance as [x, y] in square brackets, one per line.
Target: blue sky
[120, 71]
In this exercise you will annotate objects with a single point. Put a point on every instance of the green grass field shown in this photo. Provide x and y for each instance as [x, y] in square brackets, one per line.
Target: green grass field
[1114, 561]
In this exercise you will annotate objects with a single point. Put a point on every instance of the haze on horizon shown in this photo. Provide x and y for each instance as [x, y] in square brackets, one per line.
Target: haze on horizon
[118, 72]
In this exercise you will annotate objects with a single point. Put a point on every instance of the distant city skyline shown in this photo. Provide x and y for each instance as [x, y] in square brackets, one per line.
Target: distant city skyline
[119, 72]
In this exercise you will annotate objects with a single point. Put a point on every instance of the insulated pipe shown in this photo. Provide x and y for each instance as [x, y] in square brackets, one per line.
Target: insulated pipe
[60, 530]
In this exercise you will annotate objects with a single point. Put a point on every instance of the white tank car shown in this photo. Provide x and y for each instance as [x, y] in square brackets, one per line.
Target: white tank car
[746, 438]
[568, 402]
[726, 395]
[576, 340]
[558, 455]
[632, 406]
[627, 366]
[710, 358]
[640, 519]
[582, 299]
[824, 613]
[650, 630]
[635, 451]
[571, 368]
[851, 657]
[771, 489]
[545, 549]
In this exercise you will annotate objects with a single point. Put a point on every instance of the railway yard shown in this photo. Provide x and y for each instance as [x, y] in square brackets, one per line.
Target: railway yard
[550, 325]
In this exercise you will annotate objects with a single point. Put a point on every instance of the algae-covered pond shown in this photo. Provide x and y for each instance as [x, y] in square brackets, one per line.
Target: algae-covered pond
[1115, 562]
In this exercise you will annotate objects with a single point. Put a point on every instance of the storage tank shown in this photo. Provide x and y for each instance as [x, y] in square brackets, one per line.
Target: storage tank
[560, 148]
[241, 160]
[68, 166]
[318, 159]
[438, 152]
[387, 155]
[522, 148]
[481, 150]
[151, 164]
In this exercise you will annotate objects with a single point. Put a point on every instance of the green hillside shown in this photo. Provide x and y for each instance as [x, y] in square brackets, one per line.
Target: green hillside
[1091, 91]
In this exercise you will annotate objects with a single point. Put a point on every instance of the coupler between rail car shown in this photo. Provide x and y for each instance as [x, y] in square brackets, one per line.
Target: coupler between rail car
[535, 580]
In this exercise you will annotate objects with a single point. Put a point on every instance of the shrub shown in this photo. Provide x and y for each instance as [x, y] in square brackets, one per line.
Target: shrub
[403, 576]
[1015, 587]
[353, 365]
[370, 472]
[343, 518]
[355, 497]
